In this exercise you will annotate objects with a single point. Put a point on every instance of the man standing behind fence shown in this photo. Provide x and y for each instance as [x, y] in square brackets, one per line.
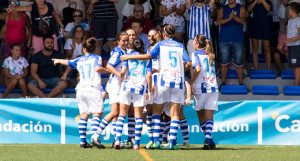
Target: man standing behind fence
[231, 18]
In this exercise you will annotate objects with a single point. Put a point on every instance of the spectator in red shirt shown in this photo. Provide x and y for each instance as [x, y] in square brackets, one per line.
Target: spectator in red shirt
[138, 11]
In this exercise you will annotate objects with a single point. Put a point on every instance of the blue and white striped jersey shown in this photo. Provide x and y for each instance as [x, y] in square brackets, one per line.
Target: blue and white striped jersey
[171, 55]
[86, 67]
[115, 61]
[136, 75]
[199, 21]
[206, 81]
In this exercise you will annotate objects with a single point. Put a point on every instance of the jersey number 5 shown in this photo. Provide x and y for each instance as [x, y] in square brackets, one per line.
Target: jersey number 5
[173, 59]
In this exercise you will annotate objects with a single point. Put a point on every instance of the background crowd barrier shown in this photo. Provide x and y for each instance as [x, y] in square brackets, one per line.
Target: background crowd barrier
[54, 121]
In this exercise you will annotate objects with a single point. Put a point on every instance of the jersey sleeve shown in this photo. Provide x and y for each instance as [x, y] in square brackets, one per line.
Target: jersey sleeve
[98, 61]
[125, 63]
[114, 60]
[149, 67]
[73, 63]
[185, 55]
[155, 50]
[195, 60]
[5, 64]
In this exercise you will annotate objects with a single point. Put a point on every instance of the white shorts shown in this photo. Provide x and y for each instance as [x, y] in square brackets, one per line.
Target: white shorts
[130, 97]
[190, 48]
[167, 109]
[89, 101]
[206, 101]
[167, 94]
[113, 90]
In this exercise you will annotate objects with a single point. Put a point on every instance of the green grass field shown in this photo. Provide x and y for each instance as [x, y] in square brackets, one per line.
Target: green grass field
[73, 152]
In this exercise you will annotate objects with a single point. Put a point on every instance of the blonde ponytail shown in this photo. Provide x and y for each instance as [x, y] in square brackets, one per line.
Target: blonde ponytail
[209, 52]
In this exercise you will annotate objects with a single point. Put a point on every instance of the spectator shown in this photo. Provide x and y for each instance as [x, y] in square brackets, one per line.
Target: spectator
[137, 25]
[173, 10]
[138, 11]
[47, 26]
[131, 35]
[259, 29]
[44, 73]
[60, 5]
[282, 50]
[78, 20]
[157, 17]
[293, 40]
[104, 21]
[16, 24]
[73, 46]
[231, 18]
[199, 23]
[15, 69]
[129, 5]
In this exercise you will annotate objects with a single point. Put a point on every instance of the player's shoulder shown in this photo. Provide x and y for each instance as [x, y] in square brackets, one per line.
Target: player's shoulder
[117, 51]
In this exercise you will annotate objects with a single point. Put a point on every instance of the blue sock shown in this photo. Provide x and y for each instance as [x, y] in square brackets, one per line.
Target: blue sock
[82, 124]
[138, 130]
[156, 127]
[184, 130]
[203, 127]
[95, 124]
[209, 128]
[131, 125]
[162, 127]
[114, 123]
[102, 126]
[173, 131]
[166, 131]
[119, 127]
[149, 128]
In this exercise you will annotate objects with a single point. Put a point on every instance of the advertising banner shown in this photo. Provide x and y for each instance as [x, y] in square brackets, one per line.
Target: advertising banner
[54, 121]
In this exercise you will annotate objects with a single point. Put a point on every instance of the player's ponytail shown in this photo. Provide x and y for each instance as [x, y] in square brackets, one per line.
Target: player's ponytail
[209, 52]
[89, 44]
[138, 45]
[206, 45]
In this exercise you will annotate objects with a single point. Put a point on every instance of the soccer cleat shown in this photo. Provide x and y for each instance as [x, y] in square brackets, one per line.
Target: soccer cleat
[136, 147]
[95, 141]
[213, 145]
[156, 145]
[206, 145]
[173, 147]
[117, 145]
[85, 145]
[113, 144]
[185, 146]
[164, 146]
[128, 145]
[149, 145]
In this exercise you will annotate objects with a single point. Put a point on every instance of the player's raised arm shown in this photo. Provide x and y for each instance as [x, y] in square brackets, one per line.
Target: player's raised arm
[138, 57]
[60, 61]
[101, 70]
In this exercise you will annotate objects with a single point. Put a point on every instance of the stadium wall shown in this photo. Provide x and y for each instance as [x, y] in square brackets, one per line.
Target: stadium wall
[54, 121]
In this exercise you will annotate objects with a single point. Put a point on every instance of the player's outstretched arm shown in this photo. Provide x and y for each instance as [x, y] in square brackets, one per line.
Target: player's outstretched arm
[138, 57]
[60, 61]
[101, 70]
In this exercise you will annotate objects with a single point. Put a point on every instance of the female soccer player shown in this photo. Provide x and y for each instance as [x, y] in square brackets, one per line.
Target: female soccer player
[133, 90]
[113, 85]
[88, 90]
[171, 56]
[204, 87]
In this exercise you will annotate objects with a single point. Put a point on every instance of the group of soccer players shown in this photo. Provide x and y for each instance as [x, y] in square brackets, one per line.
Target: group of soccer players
[147, 82]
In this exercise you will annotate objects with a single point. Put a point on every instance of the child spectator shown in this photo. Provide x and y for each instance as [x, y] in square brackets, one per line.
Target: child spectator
[293, 40]
[15, 69]
[282, 50]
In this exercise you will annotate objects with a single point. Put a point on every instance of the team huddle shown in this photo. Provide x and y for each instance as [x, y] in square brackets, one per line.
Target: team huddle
[146, 82]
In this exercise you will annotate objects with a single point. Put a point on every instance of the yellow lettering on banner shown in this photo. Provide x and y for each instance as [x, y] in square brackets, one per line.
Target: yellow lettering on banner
[145, 155]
